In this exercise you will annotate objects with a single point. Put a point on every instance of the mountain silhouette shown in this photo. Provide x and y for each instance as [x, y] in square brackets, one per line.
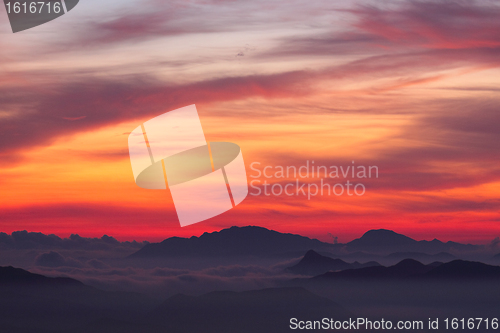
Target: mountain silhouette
[250, 241]
[381, 238]
[314, 263]
[267, 310]
[262, 242]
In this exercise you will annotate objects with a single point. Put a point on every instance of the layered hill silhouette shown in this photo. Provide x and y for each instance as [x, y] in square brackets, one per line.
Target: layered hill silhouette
[251, 241]
[314, 263]
[258, 241]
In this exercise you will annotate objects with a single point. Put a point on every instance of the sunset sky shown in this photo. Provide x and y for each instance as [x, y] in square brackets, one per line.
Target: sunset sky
[411, 87]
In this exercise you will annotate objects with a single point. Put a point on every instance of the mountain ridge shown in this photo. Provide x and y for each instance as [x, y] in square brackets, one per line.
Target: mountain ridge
[259, 241]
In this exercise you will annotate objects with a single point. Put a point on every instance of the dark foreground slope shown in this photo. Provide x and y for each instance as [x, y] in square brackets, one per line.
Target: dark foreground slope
[32, 303]
[267, 310]
[35, 303]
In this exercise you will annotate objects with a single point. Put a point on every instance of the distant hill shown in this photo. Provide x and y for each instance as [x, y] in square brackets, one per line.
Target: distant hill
[395, 257]
[387, 241]
[422, 257]
[403, 269]
[10, 276]
[246, 241]
[267, 310]
[459, 269]
[381, 238]
[24, 240]
[409, 268]
[314, 263]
